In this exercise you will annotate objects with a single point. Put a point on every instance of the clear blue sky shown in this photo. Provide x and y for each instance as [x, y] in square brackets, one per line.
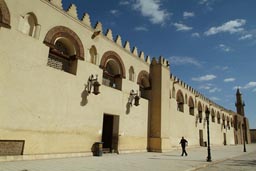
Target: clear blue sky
[210, 44]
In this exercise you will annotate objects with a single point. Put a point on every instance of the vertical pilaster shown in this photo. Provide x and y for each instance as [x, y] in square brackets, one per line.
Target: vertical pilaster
[159, 106]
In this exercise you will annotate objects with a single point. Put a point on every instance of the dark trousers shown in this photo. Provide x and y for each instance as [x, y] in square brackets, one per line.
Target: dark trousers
[184, 151]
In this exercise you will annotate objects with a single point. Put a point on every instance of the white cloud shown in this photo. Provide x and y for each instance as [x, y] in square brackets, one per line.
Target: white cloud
[222, 68]
[114, 12]
[153, 10]
[215, 98]
[247, 36]
[237, 87]
[182, 27]
[188, 14]
[232, 26]
[207, 3]
[229, 80]
[141, 28]
[215, 89]
[251, 84]
[195, 35]
[124, 2]
[210, 87]
[204, 78]
[205, 87]
[203, 2]
[184, 60]
[224, 48]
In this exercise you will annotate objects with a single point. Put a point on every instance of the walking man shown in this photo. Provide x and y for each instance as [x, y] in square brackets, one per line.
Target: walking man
[183, 143]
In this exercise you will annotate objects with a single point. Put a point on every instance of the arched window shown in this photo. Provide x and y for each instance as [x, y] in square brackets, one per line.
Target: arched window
[131, 74]
[223, 121]
[144, 83]
[218, 117]
[93, 55]
[205, 109]
[228, 125]
[65, 49]
[213, 115]
[29, 25]
[200, 112]
[4, 15]
[180, 101]
[191, 106]
[113, 70]
[111, 75]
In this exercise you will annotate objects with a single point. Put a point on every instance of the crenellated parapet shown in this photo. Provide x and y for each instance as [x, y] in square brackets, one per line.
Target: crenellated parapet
[118, 40]
[135, 51]
[72, 11]
[86, 20]
[148, 59]
[161, 60]
[57, 3]
[197, 94]
[109, 34]
[141, 55]
[127, 46]
[98, 29]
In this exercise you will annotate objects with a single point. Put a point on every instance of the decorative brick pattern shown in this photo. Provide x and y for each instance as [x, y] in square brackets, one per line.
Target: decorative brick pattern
[57, 64]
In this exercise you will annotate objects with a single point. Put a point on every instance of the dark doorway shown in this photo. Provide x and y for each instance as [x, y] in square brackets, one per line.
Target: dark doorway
[201, 138]
[225, 139]
[110, 133]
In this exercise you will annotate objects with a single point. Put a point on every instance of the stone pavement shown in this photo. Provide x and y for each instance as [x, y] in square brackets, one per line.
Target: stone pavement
[240, 163]
[170, 161]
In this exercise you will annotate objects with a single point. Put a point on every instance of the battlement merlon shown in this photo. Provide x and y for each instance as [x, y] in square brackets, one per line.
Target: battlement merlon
[148, 59]
[98, 27]
[127, 46]
[57, 3]
[86, 20]
[135, 51]
[142, 56]
[72, 11]
[109, 34]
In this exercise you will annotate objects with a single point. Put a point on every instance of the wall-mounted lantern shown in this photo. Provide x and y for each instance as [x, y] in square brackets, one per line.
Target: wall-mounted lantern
[93, 82]
[134, 96]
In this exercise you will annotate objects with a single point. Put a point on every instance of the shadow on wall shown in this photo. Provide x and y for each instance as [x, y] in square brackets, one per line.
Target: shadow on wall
[128, 107]
[84, 96]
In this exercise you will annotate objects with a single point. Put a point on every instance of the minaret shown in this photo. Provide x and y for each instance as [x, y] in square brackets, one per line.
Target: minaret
[239, 103]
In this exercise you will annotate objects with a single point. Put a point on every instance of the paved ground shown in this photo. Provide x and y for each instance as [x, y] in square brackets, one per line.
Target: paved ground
[242, 163]
[171, 161]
